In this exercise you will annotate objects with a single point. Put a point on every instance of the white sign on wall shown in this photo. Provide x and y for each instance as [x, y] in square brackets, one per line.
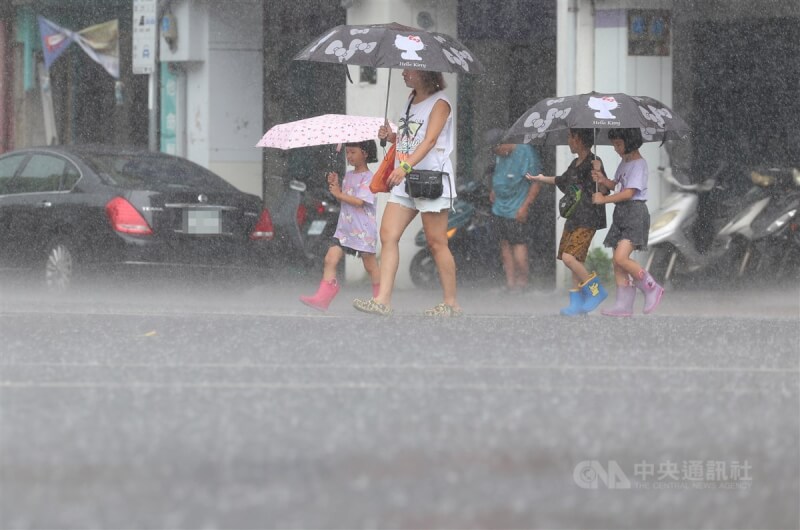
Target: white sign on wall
[145, 33]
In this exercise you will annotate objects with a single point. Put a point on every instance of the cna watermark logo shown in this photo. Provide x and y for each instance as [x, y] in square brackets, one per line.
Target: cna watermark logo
[590, 474]
[686, 474]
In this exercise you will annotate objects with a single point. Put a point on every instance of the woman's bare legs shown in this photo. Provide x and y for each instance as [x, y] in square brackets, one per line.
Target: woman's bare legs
[435, 226]
[394, 222]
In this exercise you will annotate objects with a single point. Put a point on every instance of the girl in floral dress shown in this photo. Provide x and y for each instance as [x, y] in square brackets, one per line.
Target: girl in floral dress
[356, 232]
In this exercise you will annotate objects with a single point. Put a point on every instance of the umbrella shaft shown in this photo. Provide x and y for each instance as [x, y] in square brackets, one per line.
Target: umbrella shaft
[386, 108]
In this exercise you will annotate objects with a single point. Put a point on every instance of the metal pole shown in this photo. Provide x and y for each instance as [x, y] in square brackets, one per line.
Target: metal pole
[152, 107]
[153, 87]
[386, 108]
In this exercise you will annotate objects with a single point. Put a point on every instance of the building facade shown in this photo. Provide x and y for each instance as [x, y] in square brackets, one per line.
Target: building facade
[728, 67]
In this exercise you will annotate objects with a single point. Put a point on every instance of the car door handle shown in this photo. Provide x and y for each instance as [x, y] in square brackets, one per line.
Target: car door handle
[45, 204]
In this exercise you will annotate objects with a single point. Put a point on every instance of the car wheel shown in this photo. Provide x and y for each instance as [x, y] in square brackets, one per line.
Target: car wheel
[60, 267]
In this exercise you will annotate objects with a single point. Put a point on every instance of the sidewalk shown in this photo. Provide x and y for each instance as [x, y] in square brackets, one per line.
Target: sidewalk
[752, 303]
[280, 296]
[772, 303]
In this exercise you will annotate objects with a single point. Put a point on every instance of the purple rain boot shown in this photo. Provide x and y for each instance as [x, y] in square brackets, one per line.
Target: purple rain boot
[651, 289]
[623, 306]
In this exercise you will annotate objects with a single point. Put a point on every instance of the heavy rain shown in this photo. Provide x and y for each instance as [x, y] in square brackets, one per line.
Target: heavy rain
[209, 320]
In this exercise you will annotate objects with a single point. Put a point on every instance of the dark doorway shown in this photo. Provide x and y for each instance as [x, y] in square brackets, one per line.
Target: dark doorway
[746, 81]
[516, 43]
[295, 90]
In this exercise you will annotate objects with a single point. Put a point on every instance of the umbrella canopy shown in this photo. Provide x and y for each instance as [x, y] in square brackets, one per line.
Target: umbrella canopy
[391, 46]
[547, 122]
[322, 130]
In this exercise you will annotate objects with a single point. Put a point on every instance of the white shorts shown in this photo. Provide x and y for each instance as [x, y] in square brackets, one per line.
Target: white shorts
[421, 205]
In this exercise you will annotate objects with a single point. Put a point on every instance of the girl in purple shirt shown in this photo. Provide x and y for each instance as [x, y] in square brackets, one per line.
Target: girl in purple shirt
[631, 223]
[357, 229]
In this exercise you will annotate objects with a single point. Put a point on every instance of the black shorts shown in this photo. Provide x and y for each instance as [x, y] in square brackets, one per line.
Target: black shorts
[631, 222]
[347, 250]
[510, 230]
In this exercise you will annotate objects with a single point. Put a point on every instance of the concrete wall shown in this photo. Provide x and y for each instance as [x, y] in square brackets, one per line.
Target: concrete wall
[219, 60]
[235, 68]
[616, 71]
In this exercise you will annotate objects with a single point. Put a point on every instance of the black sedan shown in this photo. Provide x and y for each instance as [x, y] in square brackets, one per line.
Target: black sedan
[71, 209]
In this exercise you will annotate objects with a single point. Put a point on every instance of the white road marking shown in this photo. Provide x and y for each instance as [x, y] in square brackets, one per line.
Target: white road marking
[23, 385]
[412, 366]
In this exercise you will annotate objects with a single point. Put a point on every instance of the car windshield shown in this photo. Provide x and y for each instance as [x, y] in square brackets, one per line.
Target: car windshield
[157, 173]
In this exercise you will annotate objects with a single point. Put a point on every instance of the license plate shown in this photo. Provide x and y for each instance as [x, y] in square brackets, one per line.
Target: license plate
[317, 227]
[201, 222]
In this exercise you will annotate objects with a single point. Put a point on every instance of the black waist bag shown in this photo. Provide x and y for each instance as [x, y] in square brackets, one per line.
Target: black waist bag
[425, 183]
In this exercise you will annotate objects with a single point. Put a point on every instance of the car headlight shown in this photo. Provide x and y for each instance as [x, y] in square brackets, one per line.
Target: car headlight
[760, 179]
[778, 223]
[796, 176]
[664, 219]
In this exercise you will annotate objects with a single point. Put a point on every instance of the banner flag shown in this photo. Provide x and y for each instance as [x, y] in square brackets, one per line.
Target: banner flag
[55, 40]
[101, 43]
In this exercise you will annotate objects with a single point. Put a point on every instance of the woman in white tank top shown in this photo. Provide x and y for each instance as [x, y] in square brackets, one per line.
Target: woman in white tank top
[424, 140]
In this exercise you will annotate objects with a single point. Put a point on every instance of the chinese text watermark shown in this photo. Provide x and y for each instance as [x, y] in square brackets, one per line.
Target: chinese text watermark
[668, 474]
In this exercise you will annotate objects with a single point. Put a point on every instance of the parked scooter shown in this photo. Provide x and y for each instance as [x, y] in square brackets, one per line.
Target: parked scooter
[305, 222]
[701, 229]
[773, 253]
[469, 232]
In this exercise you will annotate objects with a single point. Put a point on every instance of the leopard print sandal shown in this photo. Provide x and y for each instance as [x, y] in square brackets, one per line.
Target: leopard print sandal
[443, 310]
[372, 307]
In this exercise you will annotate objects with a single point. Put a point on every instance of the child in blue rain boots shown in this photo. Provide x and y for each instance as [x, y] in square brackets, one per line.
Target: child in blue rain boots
[579, 229]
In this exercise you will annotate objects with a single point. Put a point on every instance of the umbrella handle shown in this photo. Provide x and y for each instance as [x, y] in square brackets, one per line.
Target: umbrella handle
[386, 108]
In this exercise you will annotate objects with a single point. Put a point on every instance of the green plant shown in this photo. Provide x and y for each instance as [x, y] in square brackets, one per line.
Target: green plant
[599, 261]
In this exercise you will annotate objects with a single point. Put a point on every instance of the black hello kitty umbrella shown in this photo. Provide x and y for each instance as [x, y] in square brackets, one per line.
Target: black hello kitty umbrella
[391, 46]
[547, 122]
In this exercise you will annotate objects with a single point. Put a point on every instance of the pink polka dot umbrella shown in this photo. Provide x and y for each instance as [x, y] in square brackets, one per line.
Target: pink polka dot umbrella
[322, 130]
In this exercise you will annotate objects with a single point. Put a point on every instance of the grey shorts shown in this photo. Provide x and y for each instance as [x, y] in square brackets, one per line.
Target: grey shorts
[510, 230]
[631, 222]
[421, 205]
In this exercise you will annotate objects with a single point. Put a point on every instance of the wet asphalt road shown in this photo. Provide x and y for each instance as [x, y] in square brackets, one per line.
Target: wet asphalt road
[239, 408]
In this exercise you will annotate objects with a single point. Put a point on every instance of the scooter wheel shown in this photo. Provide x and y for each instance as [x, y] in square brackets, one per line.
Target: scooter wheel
[658, 263]
[423, 271]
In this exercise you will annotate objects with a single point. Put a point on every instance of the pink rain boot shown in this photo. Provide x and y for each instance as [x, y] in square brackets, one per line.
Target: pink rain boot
[652, 291]
[376, 288]
[623, 306]
[322, 299]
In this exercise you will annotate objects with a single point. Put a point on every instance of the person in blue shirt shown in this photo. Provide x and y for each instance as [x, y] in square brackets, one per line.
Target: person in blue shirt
[511, 196]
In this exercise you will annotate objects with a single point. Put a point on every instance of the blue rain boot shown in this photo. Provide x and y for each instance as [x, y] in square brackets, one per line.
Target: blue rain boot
[593, 293]
[575, 304]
